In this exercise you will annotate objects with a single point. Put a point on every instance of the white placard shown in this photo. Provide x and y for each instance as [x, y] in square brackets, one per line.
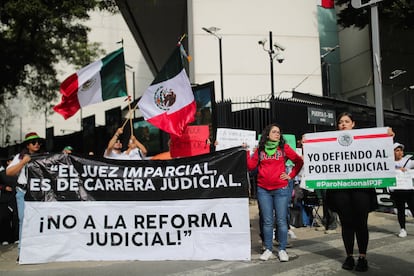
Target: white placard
[228, 138]
[360, 158]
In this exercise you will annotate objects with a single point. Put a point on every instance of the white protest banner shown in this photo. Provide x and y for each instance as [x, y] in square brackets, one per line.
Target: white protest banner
[229, 137]
[404, 180]
[92, 209]
[360, 158]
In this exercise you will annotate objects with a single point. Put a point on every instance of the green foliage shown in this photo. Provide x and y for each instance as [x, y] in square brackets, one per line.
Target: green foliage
[399, 12]
[35, 35]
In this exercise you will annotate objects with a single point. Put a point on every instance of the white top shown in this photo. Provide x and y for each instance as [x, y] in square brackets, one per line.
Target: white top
[405, 162]
[22, 178]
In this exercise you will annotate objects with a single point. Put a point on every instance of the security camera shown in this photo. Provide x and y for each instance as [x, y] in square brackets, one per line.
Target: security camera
[262, 42]
[279, 46]
[330, 49]
[280, 58]
[211, 30]
[396, 73]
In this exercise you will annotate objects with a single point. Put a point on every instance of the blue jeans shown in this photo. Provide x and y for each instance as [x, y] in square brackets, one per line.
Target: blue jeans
[20, 210]
[277, 200]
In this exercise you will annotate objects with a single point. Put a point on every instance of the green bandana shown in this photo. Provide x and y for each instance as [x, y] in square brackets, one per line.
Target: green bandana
[270, 147]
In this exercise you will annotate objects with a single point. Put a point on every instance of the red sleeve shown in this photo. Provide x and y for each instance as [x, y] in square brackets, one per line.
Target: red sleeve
[252, 160]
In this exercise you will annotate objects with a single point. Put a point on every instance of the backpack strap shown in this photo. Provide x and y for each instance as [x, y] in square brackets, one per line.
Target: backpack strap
[406, 162]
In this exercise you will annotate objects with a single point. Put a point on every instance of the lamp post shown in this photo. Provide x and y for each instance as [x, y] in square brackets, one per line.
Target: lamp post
[129, 68]
[213, 31]
[272, 55]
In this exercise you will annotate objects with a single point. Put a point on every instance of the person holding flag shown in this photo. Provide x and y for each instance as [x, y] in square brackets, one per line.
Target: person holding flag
[135, 151]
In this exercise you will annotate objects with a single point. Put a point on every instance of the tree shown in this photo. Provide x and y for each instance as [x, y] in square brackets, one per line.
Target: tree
[35, 35]
[399, 12]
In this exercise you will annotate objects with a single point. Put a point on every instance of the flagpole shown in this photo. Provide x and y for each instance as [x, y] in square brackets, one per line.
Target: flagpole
[127, 66]
[181, 39]
[133, 110]
[132, 129]
[129, 114]
[130, 117]
[126, 121]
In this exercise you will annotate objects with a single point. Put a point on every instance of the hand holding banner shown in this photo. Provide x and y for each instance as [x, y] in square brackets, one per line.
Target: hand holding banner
[361, 158]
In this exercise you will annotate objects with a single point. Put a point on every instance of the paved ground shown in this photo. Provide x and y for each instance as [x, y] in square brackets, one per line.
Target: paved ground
[312, 253]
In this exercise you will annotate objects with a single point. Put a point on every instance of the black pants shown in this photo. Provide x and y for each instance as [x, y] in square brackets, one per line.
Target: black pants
[401, 197]
[9, 221]
[353, 207]
[329, 217]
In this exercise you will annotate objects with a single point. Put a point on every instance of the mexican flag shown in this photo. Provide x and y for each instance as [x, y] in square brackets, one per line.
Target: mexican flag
[327, 4]
[99, 81]
[168, 103]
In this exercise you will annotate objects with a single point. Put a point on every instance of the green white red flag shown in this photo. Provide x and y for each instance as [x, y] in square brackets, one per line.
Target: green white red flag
[168, 103]
[97, 82]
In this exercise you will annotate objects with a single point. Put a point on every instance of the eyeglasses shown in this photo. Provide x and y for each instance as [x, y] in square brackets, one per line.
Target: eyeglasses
[35, 141]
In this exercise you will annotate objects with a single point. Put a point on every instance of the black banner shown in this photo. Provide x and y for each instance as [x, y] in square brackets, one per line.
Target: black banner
[61, 177]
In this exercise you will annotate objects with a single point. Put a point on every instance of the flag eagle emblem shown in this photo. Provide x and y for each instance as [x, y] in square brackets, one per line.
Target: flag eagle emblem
[87, 85]
[164, 98]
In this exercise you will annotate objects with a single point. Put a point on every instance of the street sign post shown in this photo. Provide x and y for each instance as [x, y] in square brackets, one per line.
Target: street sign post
[376, 55]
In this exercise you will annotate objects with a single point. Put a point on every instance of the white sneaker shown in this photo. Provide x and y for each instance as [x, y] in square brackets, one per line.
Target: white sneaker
[266, 255]
[291, 234]
[402, 233]
[283, 256]
[4, 243]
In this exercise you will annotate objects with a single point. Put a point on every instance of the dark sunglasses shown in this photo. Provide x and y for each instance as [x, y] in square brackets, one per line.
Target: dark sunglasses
[35, 141]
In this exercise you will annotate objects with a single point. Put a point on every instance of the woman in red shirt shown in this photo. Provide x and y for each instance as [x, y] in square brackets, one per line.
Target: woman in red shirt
[273, 192]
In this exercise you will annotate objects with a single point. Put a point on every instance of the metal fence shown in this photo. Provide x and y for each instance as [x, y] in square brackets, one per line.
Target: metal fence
[292, 114]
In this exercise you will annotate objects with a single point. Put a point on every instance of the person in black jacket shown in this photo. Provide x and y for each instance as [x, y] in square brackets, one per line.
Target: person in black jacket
[32, 144]
[353, 206]
[9, 220]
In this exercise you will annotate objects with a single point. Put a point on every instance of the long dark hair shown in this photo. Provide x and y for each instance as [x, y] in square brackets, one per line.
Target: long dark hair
[265, 137]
